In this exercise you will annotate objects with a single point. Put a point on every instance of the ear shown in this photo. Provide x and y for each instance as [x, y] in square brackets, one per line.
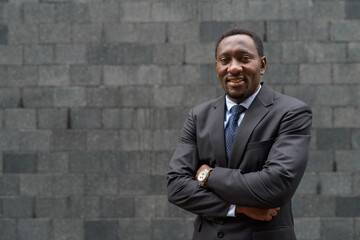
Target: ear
[263, 65]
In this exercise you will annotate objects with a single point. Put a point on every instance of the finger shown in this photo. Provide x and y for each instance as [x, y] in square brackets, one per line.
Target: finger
[277, 209]
[268, 218]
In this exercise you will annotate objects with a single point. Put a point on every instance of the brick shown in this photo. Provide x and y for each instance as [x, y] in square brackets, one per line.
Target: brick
[9, 141]
[56, 208]
[168, 54]
[357, 228]
[9, 185]
[169, 229]
[84, 162]
[101, 230]
[69, 140]
[322, 117]
[356, 183]
[355, 139]
[347, 161]
[329, 9]
[72, 13]
[11, 54]
[325, 95]
[189, 75]
[169, 118]
[87, 33]
[17, 207]
[29, 229]
[3, 76]
[309, 184]
[121, 32]
[39, 12]
[70, 97]
[119, 163]
[198, 95]
[38, 54]
[256, 9]
[321, 161]
[9, 97]
[283, 73]
[298, 52]
[136, 96]
[199, 53]
[102, 97]
[335, 183]
[296, 9]
[211, 31]
[54, 75]
[85, 118]
[158, 185]
[135, 228]
[115, 207]
[150, 33]
[20, 118]
[85, 75]
[102, 140]
[67, 229]
[281, 31]
[104, 12]
[68, 185]
[340, 228]
[347, 207]
[70, 54]
[333, 138]
[129, 140]
[319, 206]
[346, 73]
[36, 185]
[352, 9]
[118, 118]
[53, 118]
[57, 162]
[346, 117]
[183, 32]
[4, 32]
[297, 206]
[133, 75]
[151, 206]
[7, 229]
[308, 228]
[205, 11]
[353, 51]
[23, 76]
[315, 74]
[102, 54]
[23, 33]
[55, 33]
[167, 138]
[345, 30]
[229, 11]
[134, 54]
[97, 184]
[134, 184]
[169, 96]
[330, 52]
[313, 30]
[10, 12]
[176, 11]
[38, 140]
[273, 51]
[37, 97]
[135, 11]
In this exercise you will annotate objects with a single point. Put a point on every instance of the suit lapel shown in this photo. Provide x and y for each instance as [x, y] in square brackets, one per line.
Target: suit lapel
[256, 112]
[216, 132]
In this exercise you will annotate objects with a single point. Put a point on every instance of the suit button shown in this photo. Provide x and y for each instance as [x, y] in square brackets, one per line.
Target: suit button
[220, 234]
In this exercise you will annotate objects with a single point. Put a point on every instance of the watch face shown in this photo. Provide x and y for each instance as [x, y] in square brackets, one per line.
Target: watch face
[201, 176]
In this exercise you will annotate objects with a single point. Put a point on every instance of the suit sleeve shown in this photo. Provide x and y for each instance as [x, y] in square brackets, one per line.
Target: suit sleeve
[183, 190]
[275, 184]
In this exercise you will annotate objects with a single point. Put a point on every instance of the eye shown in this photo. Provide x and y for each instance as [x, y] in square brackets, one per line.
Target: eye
[245, 59]
[224, 60]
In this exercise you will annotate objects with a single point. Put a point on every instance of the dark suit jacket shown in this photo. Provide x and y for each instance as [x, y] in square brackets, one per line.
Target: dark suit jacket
[267, 162]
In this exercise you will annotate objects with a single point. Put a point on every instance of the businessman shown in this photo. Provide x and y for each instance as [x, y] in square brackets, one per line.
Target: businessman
[241, 156]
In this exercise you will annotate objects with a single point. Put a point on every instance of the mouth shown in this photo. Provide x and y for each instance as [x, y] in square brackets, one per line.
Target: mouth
[235, 81]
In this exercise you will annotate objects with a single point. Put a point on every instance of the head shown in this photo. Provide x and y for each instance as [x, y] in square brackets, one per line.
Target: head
[239, 63]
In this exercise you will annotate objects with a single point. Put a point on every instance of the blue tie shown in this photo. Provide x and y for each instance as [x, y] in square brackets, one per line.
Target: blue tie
[231, 128]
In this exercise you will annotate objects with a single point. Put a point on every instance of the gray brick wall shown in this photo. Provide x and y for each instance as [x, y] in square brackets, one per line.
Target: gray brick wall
[93, 95]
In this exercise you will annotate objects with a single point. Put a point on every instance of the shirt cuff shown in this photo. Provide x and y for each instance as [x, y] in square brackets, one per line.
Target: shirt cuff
[231, 212]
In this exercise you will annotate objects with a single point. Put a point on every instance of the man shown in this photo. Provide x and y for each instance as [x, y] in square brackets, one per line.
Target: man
[241, 157]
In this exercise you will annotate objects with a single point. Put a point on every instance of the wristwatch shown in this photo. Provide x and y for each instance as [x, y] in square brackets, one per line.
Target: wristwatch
[203, 176]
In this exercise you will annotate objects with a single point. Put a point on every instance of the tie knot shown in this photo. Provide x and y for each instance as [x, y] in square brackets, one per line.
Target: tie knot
[237, 110]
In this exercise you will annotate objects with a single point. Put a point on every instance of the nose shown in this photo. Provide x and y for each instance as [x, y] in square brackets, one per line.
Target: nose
[235, 67]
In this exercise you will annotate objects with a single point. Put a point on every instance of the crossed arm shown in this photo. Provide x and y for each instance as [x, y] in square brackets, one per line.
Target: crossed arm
[256, 194]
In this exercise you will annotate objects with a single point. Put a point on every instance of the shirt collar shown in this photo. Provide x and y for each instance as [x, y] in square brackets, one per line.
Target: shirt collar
[246, 103]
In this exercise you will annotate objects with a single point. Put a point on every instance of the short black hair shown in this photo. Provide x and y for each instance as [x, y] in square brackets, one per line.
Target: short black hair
[235, 31]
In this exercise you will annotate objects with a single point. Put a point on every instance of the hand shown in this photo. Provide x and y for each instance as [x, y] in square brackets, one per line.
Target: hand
[202, 167]
[258, 213]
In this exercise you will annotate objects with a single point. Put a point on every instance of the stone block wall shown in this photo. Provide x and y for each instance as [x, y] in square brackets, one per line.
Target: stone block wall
[93, 95]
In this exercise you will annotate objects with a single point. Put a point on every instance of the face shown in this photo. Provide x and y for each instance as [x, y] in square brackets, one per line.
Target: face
[239, 67]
